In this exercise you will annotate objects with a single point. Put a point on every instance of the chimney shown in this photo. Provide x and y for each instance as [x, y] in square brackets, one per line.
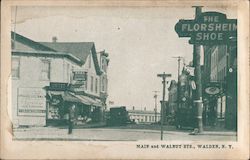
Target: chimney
[133, 107]
[144, 108]
[54, 39]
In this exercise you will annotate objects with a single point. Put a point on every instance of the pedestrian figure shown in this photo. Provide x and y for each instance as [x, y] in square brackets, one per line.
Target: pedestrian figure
[71, 118]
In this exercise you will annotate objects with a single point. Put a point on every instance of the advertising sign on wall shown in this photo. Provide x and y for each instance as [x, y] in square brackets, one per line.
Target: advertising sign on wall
[31, 102]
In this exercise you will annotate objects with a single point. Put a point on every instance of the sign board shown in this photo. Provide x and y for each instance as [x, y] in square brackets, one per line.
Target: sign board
[79, 75]
[208, 28]
[58, 86]
[31, 102]
[212, 90]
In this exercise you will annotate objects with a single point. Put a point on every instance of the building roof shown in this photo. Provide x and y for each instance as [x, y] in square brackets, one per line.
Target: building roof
[48, 53]
[142, 112]
[29, 42]
[79, 49]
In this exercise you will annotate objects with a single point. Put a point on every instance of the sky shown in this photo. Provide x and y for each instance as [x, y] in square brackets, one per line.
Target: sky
[141, 43]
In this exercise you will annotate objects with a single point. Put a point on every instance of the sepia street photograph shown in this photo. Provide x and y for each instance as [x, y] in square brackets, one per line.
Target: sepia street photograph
[124, 73]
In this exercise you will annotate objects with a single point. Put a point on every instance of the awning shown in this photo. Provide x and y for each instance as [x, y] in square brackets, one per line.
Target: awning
[91, 101]
[52, 93]
[71, 97]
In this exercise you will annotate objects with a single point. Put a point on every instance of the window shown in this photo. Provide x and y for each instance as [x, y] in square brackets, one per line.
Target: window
[103, 65]
[68, 72]
[90, 61]
[86, 82]
[103, 84]
[15, 67]
[45, 70]
[92, 84]
[96, 85]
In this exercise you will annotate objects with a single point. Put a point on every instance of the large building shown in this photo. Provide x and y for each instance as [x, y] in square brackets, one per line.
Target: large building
[143, 116]
[220, 85]
[47, 77]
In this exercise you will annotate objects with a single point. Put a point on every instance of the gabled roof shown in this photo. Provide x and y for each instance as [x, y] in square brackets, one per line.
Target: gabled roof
[39, 49]
[29, 42]
[79, 49]
[76, 50]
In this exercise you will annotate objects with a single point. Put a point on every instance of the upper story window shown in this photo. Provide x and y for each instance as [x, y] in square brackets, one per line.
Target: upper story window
[68, 72]
[103, 65]
[90, 61]
[45, 70]
[103, 84]
[92, 84]
[86, 82]
[96, 85]
[15, 67]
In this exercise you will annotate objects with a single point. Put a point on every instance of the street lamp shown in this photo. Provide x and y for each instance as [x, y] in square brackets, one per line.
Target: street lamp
[163, 76]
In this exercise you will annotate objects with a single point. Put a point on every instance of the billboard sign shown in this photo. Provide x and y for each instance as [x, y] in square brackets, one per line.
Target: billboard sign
[31, 102]
[208, 28]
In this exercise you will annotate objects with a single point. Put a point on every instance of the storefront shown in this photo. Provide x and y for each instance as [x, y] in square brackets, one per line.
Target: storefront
[214, 104]
[59, 98]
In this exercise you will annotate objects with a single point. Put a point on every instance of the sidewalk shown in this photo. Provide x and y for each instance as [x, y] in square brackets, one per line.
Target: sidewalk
[116, 134]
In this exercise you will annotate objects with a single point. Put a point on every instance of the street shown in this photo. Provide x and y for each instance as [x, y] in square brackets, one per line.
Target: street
[117, 134]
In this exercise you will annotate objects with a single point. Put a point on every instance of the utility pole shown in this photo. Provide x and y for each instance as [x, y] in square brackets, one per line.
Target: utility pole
[155, 97]
[179, 60]
[163, 76]
[178, 83]
[197, 73]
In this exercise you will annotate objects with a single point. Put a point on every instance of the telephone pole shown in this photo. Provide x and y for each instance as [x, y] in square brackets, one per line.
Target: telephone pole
[155, 97]
[178, 83]
[197, 73]
[163, 76]
[179, 60]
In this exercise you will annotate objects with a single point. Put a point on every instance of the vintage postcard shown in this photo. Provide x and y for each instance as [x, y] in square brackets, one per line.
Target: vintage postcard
[124, 79]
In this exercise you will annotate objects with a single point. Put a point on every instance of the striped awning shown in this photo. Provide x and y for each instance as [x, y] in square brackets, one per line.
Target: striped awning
[93, 102]
[71, 97]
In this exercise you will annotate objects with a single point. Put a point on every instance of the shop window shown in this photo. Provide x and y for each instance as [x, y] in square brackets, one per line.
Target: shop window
[45, 70]
[15, 67]
[221, 107]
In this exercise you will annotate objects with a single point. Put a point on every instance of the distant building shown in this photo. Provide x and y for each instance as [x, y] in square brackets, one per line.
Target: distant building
[143, 116]
[49, 76]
